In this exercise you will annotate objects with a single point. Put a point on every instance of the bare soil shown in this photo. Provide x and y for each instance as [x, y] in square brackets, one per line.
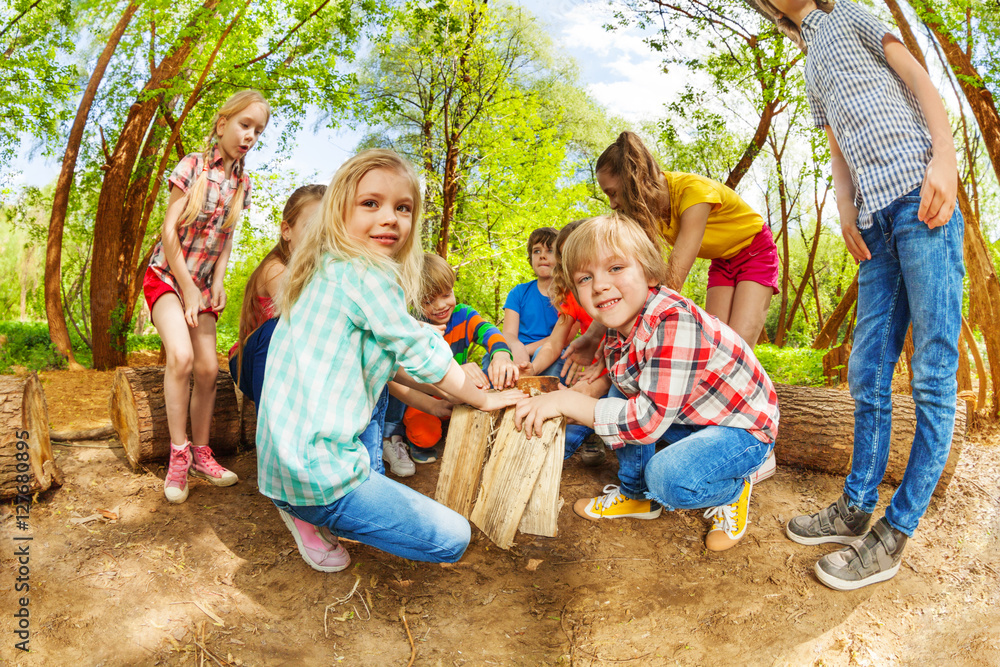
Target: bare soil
[218, 581]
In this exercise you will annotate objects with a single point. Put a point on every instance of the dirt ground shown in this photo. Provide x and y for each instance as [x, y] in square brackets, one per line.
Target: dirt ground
[218, 581]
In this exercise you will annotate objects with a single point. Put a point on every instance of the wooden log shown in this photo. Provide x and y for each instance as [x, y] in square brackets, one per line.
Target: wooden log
[26, 462]
[541, 516]
[139, 415]
[816, 432]
[464, 455]
[248, 424]
[99, 433]
[509, 477]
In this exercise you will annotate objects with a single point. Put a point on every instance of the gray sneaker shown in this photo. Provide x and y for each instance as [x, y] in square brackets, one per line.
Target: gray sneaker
[592, 451]
[841, 523]
[874, 558]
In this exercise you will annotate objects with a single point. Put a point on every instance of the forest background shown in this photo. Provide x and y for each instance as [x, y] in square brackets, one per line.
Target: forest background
[492, 112]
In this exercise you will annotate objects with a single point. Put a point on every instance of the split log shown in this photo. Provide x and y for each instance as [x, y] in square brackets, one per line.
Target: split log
[26, 462]
[541, 515]
[510, 475]
[469, 434]
[816, 432]
[139, 415]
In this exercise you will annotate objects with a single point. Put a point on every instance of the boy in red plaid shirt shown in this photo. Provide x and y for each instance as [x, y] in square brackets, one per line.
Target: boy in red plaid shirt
[680, 376]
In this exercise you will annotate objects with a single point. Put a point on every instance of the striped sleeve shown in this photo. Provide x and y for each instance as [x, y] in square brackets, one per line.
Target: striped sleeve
[478, 330]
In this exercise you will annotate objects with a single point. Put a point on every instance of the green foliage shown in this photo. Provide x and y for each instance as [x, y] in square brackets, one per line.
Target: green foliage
[27, 344]
[790, 365]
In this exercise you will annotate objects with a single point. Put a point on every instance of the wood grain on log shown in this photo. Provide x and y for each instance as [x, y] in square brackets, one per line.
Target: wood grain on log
[816, 432]
[26, 460]
[465, 452]
[139, 415]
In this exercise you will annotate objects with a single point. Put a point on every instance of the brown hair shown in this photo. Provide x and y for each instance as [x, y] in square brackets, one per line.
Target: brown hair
[787, 26]
[196, 195]
[560, 281]
[617, 235]
[252, 315]
[643, 190]
[436, 278]
[543, 235]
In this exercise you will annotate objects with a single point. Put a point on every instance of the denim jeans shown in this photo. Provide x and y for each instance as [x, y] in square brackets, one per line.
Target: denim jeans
[371, 437]
[392, 517]
[251, 371]
[915, 275]
[394, 417]
[632, 461]
[703, 466]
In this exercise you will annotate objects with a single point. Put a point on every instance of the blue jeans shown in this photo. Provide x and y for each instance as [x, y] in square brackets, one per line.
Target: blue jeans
[371, 437]
[251, 371]
[394, 417]
[915, 275]
[703, 466]
[392, 517]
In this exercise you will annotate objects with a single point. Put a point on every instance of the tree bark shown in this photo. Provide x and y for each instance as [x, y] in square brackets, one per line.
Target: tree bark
[753, 149]
[26, 462]
[120, 202]
[139, 415]
[817, 433]
[60, 200]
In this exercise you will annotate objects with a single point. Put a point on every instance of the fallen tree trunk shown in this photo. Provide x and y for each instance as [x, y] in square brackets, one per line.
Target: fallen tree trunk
[139, 415]
[816, 432]
[26, 462]
[99, 433]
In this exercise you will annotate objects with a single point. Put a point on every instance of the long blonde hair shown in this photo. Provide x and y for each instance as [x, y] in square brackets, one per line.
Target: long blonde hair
[196, 195]
[252, 314]
[329, 233]
[643, 190]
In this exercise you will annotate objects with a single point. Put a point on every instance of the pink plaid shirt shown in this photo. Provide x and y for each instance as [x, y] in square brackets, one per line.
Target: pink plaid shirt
[681, 365]
[203, 240]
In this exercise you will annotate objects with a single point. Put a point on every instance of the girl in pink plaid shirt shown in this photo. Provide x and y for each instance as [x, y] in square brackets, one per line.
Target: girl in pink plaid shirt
[183, 285]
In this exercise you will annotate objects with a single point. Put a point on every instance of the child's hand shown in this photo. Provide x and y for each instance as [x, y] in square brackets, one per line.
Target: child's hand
[852, 237]
[937, 194]
[521, 356]
[495, 400]
[592, 372]
[218, 296]
[192, 304]
[441, 410]
[582, 350]
[476, 375]
[531, 413]
[503, 373]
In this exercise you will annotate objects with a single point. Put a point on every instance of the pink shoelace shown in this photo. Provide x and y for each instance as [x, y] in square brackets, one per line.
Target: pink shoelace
[206, 461]
[180, 461]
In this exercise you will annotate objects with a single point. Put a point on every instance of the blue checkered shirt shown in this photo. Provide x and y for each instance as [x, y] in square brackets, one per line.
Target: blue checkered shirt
[327, 364]
[875, 118]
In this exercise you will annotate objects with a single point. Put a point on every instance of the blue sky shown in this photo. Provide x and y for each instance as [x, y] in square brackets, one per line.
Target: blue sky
[617, 68]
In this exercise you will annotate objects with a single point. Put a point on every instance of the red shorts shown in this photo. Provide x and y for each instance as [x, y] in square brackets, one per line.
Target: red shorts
[758, 262]
[153, 288]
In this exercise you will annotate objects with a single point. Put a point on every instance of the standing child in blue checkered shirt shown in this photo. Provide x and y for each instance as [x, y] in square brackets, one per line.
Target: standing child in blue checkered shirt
[343, 333]
[895, 174]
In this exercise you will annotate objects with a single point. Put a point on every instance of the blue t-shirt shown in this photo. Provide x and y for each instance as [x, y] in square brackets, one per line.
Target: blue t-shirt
[537, 314]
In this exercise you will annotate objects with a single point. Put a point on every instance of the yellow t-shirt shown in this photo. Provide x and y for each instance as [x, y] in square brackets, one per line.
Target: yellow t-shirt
[732, 224]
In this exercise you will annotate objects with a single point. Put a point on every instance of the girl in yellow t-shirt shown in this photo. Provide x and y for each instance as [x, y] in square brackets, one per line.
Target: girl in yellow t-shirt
[698, 217]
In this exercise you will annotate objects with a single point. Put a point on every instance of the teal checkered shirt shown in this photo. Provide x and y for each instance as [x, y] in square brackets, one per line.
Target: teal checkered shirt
[327, 364]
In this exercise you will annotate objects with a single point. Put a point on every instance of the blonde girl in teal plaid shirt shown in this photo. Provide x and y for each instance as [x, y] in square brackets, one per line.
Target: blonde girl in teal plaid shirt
[343, 333]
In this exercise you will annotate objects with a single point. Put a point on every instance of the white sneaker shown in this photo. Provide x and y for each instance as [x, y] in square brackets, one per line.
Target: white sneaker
[394, 453]
[765, 471]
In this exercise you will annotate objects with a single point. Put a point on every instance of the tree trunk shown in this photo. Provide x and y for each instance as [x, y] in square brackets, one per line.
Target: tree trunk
[817, 433]
[752, 150]
[828, 335]
[119, 205]
[139, 415]
[26, 462]
[60, 200]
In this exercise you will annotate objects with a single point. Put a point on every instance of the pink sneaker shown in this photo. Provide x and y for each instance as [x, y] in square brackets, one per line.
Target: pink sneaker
[206, 467]
[175, 486]
[332, 557]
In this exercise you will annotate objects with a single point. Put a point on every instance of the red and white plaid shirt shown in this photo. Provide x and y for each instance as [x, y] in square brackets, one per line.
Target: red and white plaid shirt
[681, 365]
[203, 240]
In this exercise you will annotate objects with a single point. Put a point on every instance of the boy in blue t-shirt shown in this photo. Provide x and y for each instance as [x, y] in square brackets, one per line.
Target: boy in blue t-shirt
[529, 315]
[895, 175]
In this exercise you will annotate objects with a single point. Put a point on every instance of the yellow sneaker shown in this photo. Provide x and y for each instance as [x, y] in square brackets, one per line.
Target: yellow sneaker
[729, 522]
[613, 505]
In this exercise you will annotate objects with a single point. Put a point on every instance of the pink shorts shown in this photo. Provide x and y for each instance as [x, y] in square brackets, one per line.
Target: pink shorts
[758, 262]
[153, 288]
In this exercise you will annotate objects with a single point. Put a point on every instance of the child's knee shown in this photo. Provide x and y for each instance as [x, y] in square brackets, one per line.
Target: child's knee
[180, 360]
[206, 371]
[457, 535]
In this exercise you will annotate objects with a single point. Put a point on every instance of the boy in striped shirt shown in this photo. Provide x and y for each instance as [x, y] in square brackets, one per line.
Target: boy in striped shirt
[461, 326]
